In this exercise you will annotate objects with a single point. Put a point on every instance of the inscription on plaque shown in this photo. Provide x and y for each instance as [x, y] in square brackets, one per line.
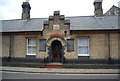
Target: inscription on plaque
[56, 27]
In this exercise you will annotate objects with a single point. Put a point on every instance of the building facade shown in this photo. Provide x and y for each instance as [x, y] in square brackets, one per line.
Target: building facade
[113, 11]
[62, 39]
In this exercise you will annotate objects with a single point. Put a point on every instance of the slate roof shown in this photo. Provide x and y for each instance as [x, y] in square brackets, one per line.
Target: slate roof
[76, 23]
[94, 23]
[23, 25]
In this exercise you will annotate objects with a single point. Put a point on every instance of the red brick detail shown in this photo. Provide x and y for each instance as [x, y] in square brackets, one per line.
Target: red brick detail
[56, 35]
[53, 65]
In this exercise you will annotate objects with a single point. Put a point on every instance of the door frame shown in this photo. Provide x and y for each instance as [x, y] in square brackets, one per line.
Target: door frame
[49, 42]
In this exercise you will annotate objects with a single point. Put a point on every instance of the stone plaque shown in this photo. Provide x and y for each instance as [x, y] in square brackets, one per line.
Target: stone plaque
[56, 27]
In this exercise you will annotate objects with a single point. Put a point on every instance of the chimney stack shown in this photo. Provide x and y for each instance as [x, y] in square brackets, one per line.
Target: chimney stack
[26, 10]
[98, 8]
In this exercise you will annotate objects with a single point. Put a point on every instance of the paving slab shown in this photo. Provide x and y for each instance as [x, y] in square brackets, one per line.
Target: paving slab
[61, 70]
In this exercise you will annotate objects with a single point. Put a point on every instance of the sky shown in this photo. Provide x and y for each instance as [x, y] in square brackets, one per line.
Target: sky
[11, 9]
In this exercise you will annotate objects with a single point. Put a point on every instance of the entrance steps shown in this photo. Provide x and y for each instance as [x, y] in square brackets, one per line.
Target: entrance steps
[54, 65]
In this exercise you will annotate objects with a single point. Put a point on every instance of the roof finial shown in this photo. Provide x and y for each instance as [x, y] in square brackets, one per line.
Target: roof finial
[27, 0]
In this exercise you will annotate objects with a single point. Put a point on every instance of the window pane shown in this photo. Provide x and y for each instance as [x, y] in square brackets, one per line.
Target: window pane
[31, 50]
[83, 45]
[70, 45]
[32, 41]
[31, 46]
[83, 50]
[42, 45]
[83, 41]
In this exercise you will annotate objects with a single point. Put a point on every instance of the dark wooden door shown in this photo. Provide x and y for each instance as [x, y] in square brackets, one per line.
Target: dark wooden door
[56, 51]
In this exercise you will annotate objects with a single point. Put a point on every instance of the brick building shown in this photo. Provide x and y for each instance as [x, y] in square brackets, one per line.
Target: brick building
[62, 39]
[114, 10]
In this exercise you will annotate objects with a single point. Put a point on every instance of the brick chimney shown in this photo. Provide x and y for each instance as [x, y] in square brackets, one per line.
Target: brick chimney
[98, 8]
[26, 10]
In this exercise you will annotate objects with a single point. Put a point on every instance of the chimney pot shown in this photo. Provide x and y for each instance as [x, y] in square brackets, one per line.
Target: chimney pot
[26, 10]
[98, 8]
[56, 12]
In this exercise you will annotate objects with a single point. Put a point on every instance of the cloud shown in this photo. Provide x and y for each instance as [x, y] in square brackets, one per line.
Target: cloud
[11, 9]
[44, 8]
[118, 3]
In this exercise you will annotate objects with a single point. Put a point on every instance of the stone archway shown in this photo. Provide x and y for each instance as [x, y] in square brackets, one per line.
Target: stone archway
[58, 43]
[56, 50]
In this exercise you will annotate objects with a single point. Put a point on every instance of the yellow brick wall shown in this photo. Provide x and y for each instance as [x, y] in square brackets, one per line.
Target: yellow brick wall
[98, 46]
[19, 46]
[5, 45]
[114, 46]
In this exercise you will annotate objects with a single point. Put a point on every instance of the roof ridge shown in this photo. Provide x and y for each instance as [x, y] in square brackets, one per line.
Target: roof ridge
[47, 18]
[23, 20]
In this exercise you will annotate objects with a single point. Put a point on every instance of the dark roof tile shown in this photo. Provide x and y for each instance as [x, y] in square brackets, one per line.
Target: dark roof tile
[76, 23]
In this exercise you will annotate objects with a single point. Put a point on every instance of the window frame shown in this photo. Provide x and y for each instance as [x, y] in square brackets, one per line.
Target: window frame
[88, 41]
[31, 46]
[40, 45]
[67, 45]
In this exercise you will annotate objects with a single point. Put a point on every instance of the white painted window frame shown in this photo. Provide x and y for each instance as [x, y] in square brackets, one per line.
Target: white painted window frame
[84, 45]
[31, 46]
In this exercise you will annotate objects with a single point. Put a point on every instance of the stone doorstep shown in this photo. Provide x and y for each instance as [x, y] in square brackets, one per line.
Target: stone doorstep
[54, 65]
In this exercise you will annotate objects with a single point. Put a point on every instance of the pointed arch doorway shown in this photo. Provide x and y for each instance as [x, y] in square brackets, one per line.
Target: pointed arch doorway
[56, 49]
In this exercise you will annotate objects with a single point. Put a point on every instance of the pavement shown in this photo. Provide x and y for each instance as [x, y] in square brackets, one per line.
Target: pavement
[60, 70]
